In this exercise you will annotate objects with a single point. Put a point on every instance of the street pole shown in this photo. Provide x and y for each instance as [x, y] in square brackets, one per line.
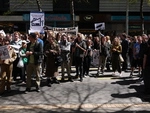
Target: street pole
[39, 5]
[100, 50]
[72, 13]
[127, 17]
[142, 16]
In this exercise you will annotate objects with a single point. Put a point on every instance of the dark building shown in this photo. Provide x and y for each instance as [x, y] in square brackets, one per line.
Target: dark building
[58, 14]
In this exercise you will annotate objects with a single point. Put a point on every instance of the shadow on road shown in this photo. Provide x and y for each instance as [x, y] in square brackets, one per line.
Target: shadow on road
[133, 84]
[77, 93]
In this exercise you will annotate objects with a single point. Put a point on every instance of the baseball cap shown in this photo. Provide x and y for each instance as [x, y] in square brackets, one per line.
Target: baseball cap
[23, 41]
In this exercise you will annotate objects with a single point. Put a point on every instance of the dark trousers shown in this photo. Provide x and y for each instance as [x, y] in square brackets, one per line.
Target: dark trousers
[116, 65]
[33, 69]
[86, 65]
[23, 73]
[16, 70]
[146, 77]
[79, 66]
[124, 64]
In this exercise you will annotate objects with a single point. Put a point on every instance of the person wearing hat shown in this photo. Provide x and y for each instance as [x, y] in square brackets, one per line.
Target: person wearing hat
[33, 53]
[22, 53]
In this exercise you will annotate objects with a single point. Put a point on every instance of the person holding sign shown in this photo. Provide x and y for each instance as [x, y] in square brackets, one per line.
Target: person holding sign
[7, 65]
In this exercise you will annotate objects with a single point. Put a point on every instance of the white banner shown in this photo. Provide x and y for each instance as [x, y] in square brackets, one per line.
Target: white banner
[37, 21]
[63, 30]
[37, 30]
[68, 29]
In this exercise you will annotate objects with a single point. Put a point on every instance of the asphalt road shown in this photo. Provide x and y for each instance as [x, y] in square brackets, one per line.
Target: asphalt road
[102, 94]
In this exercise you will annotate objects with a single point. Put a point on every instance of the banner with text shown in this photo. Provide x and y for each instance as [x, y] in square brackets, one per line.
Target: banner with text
[62, 30]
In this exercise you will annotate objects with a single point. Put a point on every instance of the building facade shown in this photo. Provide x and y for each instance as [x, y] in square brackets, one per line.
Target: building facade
[57, 14]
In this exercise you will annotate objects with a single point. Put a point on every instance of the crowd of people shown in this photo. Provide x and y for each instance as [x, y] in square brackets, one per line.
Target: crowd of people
[43, 54]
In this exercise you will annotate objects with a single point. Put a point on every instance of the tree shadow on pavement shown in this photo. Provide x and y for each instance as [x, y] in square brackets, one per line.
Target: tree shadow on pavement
[124, 81]
[131, 84]
[11, 93]
[68, 98]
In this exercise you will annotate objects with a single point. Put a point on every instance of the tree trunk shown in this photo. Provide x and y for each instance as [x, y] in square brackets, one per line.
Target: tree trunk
[142, 17]
[39, 5]
[72, 13]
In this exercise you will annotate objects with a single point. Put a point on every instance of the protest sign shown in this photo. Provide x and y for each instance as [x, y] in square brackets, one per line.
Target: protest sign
[37, 21]
[4, 54]
[95, 59]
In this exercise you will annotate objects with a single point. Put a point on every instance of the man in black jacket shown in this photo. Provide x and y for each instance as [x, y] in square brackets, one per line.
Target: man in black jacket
[34, 54]
[143, 49]
[125, 47]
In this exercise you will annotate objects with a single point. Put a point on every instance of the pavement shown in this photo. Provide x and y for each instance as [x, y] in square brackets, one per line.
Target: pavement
[96, 94]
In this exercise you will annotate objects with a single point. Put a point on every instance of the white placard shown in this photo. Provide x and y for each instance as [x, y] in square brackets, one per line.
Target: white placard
[37, 20]
[95, 58]
[100, 26]
[2, 31]
[4, 54]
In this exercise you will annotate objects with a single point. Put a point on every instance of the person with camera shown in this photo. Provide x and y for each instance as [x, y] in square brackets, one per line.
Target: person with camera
[65, 54]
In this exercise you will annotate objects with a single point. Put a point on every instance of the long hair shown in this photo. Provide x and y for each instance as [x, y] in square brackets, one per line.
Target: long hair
[116, 41]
